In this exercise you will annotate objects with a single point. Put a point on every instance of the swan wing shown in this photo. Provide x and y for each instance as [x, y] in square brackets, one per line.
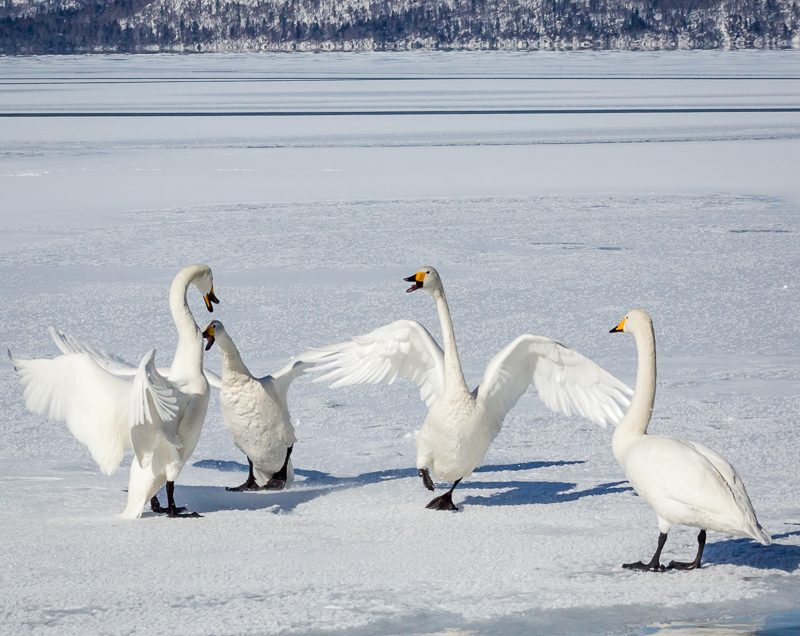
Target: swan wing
[154, 413]
[73, 388]
[736, 487]
[103, 358]
[403, 348]
[213, 379]
[566, 381]
[112, 362]
[281, 380]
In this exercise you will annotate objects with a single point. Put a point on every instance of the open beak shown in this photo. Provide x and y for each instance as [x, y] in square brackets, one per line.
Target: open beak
[620, 327]
[208, 334]
[417, 280]
[209, 298]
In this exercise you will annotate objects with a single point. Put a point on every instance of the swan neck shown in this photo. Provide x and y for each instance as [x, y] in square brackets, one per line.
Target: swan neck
[189, 352]
[637, 418]
[453, 375]
[232, 363]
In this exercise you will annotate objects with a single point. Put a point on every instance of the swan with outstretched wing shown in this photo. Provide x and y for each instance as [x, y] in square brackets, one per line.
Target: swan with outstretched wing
[110, 406]
[461, 423]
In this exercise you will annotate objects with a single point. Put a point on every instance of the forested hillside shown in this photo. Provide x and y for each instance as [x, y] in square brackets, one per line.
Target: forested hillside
[74, 26]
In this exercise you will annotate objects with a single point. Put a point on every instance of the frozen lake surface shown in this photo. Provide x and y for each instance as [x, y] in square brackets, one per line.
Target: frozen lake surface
[552, 191]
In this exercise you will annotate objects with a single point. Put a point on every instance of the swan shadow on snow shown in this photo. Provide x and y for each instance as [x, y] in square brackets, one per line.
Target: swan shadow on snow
[519, 493]
[777, 556]
[317, 483]
[206, 499]
[505, 468]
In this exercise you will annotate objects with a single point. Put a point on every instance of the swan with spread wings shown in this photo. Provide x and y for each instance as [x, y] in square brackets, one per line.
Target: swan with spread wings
[461, 423]
[111, 406]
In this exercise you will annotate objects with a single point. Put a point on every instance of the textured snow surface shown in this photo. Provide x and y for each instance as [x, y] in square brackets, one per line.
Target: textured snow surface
[554, 225]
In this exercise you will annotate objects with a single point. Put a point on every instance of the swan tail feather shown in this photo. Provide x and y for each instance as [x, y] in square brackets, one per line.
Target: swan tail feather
[761, 535]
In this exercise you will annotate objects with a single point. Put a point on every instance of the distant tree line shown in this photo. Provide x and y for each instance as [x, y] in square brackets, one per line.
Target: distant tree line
[130, 26]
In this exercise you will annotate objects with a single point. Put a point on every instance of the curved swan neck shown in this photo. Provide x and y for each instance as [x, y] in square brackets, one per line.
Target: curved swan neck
[453, 375]
[189, 352]
[636, 420]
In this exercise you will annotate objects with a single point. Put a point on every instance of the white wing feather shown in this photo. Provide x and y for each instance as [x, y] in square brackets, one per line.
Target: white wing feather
[212, 378]
[566, 381]
[109, 361]
[282, 379]
[154, 411]
[72, 388]
[403, 348]
[737, 490]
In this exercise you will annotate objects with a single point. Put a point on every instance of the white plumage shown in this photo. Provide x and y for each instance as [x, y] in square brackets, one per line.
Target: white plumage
[460, 423]
[684, 482]
[111, 406]
[256, 413]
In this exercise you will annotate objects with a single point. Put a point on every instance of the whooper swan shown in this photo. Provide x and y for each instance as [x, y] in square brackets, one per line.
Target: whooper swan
[110, 406]
[684, 482]
[461, 423]
[256, 414]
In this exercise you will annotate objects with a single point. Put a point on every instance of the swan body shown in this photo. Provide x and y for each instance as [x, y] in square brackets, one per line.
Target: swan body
[110, 406]
[461, 424]
[683, 482]
[256, 413]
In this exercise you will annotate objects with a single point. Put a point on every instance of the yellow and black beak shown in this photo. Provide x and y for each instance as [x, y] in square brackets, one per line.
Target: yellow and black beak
[209, 298]
[417, 279]
[208, 334]
[620, 327]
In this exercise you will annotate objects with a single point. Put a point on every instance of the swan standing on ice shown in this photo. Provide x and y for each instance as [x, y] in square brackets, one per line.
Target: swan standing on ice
[159, 416]
[684, 483]
[461, 423]
[256, 414]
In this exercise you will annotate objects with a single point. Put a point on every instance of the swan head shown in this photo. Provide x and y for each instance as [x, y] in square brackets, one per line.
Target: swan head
[204, 281]
[213, 330]
[426, 278]
[635, 320]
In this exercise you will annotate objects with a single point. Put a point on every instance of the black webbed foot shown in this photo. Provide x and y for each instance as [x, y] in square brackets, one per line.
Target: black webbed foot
[682, 565]
[442, 502]
[692, 565]
[644, 567]
[274, 484]
[177, 514]
[156, 507]
[445, 501]
[250, 484]
[655, 562]
[172, 510]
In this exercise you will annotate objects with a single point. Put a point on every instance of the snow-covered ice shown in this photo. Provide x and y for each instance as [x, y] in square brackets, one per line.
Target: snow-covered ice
[552, 224]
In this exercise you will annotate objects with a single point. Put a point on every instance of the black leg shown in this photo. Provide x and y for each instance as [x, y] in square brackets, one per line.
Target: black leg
[172, 509]
[278, 480]
[156, 507]
[426, 479]
[445, 501]
[250, 484]
[693, 565]
[655, 562]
